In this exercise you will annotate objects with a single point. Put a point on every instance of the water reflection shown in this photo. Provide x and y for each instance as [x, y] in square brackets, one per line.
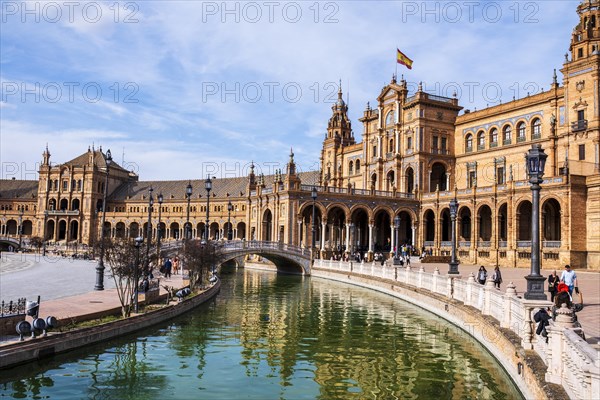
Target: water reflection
[288, 337]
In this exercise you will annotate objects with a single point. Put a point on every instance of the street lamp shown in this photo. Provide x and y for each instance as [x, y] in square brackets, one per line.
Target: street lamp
[149, 232]
[397, 239]
[313, 194]
[229, 230]
[158, 228]
[21, 211]
[100, 266]
[45, 233]
[138, 242]
[208, 187]
[453, 264]
[536, 161]
[188, 193]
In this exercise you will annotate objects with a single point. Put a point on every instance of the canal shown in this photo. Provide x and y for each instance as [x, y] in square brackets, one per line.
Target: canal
[269, 336]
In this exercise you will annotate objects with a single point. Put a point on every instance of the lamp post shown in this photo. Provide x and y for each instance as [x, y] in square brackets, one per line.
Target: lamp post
[149, 232]
[397, 220]
[536, 161]
[313, 195]
[21, 211]
[453, 264]
[160, 199]
[45, 233]
[208, 187]
[188, 193]
[100, 266]
[138, 242]
[229, 230]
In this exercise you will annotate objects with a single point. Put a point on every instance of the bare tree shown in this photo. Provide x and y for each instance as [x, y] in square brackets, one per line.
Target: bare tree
[200, 258]
[123, 259]
[36, 242]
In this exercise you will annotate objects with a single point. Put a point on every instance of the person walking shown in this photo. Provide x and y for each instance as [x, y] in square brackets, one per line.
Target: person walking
[569, 278]
[497, 277]
[168, 266]
[553, 285]
[482, 275]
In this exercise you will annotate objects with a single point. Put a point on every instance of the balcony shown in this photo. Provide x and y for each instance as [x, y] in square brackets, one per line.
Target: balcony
[481, 147]
[62, 212]
[493, 144]
[469, 149]
[580, 125]
[506, 142]
[520, 139]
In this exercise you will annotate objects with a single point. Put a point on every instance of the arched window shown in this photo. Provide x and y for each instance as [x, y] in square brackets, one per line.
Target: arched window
[536, 129]
[480, 140]
[350, 168]
[494, 137]
[521, 132]
[506, 135]
[358, 166]
[469, 143]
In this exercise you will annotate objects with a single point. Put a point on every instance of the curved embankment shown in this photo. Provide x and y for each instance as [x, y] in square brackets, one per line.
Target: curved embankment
[525, 367]
[35, 349]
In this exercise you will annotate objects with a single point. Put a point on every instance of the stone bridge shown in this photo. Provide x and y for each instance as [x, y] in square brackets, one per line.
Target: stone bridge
[286, 257]
[7, 242]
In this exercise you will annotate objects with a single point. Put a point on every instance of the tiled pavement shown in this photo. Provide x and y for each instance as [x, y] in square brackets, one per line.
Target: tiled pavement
[66, 287]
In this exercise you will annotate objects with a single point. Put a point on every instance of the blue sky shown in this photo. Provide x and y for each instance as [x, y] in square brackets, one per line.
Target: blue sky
[186, 88]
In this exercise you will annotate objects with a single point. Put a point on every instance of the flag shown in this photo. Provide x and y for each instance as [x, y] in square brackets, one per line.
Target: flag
[402, 59]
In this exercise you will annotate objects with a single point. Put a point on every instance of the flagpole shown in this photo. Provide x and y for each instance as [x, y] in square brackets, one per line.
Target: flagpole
[396, 62]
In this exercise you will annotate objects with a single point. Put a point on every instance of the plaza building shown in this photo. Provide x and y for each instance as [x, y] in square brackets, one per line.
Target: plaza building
[418, 151]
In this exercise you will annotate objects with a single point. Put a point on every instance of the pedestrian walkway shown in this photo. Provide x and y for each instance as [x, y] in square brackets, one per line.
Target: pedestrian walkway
[588, 281]
[65, 286]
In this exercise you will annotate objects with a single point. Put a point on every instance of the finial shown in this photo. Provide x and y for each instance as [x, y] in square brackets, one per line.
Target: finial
[566, 57]
[291, 154]
[420, 87]
[554, 78]
[368, 106]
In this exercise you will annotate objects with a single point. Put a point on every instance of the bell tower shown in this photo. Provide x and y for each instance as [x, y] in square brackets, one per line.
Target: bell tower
[581, 81]
[339, 135]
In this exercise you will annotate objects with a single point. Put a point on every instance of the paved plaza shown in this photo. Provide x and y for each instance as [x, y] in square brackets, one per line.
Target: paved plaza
[66, 286]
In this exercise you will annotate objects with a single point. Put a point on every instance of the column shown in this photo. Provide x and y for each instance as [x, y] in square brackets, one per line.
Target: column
[597, 155]
[393, 238]
[447, 181]
[323, 225]
[300, 233]
[347, 237]
[370, 238]
[414, 229]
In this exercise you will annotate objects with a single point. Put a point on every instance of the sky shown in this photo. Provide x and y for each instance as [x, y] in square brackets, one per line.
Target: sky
[186, 89]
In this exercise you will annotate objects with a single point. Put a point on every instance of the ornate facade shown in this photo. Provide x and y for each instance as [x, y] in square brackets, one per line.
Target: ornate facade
[416, 154]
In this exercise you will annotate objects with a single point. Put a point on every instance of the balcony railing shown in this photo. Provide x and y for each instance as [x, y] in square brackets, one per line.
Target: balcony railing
[481, 147]
[446, 243]
[464, 243]
[483, 243]
[469, 149]
[502, 244]
[521, 139]
[524, 243]
[506, 142]
[493, 144]
[63, 212]
[580, 125]
[551, 244]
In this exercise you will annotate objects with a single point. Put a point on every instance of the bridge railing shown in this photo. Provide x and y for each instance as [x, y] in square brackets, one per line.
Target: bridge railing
[580, 375]
[265, 245]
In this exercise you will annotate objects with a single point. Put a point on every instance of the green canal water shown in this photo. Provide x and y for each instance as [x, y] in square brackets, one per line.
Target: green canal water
[269, 336]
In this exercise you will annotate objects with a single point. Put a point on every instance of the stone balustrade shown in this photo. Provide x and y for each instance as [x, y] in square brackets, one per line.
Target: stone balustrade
[571, 361]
